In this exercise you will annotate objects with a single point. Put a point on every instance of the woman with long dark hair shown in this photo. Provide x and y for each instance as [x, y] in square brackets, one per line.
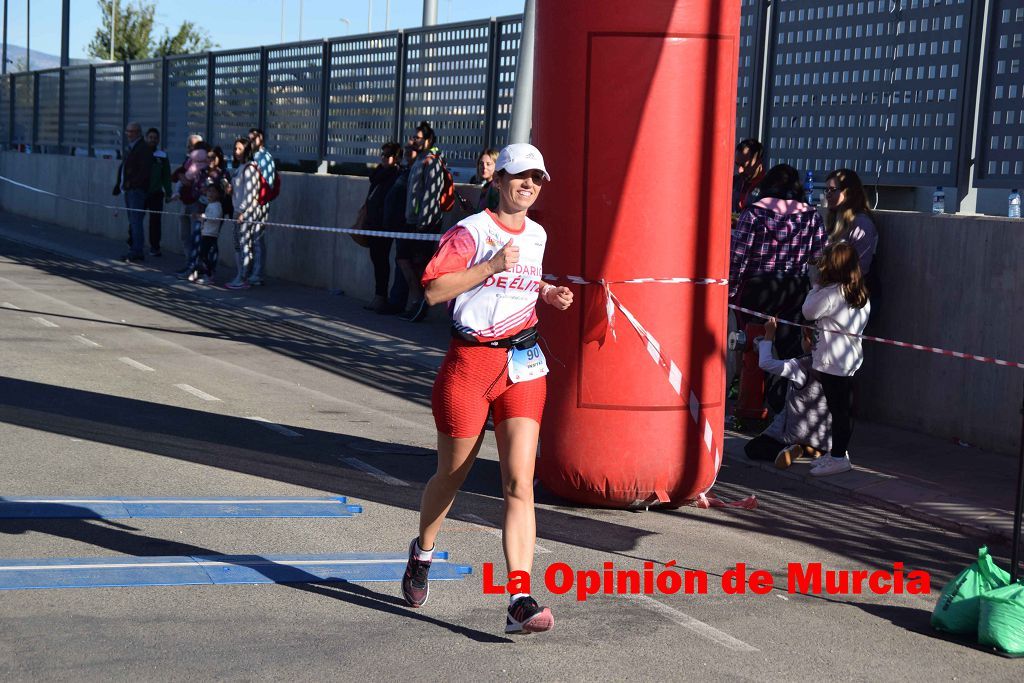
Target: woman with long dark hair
[245, 192]
[849, 218]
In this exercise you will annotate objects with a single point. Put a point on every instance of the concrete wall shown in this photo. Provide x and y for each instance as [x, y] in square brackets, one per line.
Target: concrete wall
[316, 259]
[956, 283]
[950, 281]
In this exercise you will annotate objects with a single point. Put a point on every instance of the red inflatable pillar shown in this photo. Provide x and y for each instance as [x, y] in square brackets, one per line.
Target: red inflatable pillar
[634, 107]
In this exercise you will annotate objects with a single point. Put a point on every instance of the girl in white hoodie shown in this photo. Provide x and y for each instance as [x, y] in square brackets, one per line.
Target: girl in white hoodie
[838, 303]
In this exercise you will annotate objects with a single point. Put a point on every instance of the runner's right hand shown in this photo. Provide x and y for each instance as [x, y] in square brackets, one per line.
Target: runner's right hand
[505, 258]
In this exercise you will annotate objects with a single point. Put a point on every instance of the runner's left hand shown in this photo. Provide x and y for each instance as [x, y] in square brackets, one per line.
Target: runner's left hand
[559, 297]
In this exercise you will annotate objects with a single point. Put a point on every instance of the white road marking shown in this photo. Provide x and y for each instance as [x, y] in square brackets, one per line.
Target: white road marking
[373, 471]
[201, 563]
[135, 364]
[495, 531]
[695, 625]
[11, 306]
[274, 427]
[196, 392]
[86, 342]
[45, 323]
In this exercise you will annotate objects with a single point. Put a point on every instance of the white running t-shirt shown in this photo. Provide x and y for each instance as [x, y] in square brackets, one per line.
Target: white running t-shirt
[503, 304]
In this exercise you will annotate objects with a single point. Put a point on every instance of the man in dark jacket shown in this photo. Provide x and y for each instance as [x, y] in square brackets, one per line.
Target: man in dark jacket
[133, 178]
[159, 190]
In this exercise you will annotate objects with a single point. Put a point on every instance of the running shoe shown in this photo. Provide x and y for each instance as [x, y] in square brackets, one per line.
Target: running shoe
[237, 284]
[526, 616]
[414, 582]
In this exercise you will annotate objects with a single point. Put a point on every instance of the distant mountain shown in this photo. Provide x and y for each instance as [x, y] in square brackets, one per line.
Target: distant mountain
[40, 60]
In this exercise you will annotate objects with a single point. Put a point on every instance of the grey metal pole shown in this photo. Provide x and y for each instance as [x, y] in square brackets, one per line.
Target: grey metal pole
[387, 14]
[522, 100]
[429, 12]
[65, 33]
[113, 27]
[28, 35]
[369, 16]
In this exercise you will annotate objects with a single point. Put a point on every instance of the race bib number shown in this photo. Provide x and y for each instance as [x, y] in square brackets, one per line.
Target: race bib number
[527, 364]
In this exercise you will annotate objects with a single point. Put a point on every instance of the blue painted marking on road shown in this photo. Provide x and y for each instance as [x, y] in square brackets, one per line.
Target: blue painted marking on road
[121, 571]
[166, 508]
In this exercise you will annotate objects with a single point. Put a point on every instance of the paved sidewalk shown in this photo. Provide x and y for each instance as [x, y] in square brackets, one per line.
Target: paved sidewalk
[955, 487]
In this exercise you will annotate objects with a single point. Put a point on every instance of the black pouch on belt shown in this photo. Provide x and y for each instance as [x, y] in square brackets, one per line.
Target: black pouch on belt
[522, 341]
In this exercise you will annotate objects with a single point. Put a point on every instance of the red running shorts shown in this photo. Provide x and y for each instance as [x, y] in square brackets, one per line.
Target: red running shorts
[474, 380]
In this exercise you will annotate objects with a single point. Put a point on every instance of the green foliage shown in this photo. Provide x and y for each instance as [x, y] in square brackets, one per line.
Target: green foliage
[133, 33]
[187, 40]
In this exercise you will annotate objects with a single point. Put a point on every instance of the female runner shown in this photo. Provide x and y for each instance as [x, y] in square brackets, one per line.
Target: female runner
[488, 269]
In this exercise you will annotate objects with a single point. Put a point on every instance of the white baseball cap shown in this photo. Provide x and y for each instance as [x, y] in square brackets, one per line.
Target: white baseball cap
[519, 157]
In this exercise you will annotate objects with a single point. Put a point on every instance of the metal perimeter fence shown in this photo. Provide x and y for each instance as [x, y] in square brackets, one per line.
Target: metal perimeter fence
[886, 87]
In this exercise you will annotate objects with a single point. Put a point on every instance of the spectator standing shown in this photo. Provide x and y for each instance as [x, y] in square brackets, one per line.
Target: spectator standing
[193, 192]
[268, 173]
[186, 198]
[484, 176]
[838, 303]
[394, 220]
[212, 219]
[133, 177]
[849, 219]
[773, 244]
[749, 174]
[159, 190]
[381, 181]
[422, 212]
[245, 191]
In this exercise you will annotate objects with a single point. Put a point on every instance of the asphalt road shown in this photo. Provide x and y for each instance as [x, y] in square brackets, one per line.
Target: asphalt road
[94, 367]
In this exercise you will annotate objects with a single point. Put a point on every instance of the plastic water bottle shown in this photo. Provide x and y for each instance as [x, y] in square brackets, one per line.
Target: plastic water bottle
[939, 201]
[1014, 211]
[809, 188]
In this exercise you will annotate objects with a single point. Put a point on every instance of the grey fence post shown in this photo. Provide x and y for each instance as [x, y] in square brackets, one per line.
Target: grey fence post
[164, 81]
[965, 158]
[493, 62]
[34, 133]
[92, 110]
[261, 116]
[210, 67]
[12, 91]
[126, 77]
[325, 100]
[400, 86]
[61, 95]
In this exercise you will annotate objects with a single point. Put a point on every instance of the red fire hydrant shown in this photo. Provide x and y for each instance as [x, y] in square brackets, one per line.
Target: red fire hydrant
[750, 404]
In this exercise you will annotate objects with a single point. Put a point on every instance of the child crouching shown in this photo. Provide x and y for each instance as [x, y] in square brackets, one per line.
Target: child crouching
[803, 427]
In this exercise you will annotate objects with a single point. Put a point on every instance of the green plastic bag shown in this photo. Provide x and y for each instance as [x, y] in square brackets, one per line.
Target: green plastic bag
[959, 607]
[1002, 619]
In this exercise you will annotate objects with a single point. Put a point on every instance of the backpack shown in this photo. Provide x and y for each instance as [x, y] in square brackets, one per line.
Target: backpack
[268, 192]
[446, 201]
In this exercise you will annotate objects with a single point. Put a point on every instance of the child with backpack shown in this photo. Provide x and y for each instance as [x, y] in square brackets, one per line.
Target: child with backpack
[803, 426]
[838, 303]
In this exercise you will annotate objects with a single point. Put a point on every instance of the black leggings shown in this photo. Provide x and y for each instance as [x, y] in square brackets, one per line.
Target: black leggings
[837, 395]
[380, 256]
[155, 204]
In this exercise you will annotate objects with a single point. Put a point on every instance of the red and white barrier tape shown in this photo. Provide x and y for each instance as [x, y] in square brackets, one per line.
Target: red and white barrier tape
[893, 342]
[425, 237]
[676, 380]
[577, 280]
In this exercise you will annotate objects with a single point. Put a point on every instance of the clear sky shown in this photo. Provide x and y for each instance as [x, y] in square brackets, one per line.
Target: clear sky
[244, 23]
